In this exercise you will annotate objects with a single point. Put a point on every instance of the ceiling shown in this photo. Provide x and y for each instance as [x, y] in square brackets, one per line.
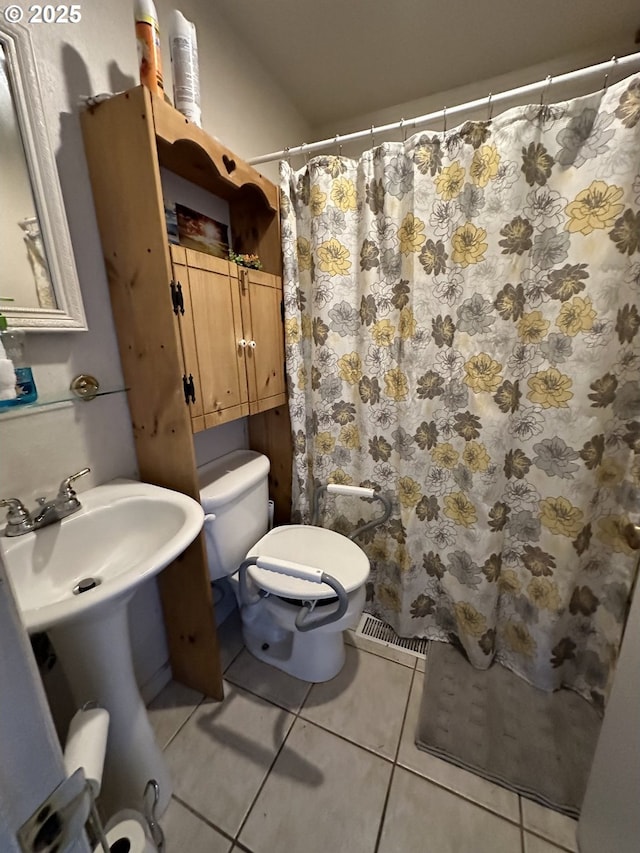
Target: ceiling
[340, 58]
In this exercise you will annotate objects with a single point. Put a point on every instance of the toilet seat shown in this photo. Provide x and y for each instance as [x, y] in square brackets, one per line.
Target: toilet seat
[316, 548]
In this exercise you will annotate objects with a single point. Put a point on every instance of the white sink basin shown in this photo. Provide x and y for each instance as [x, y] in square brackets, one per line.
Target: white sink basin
[124, 533]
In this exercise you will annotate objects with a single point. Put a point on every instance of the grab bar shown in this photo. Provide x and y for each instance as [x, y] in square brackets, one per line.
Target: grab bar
[354, 491]
[304, 620]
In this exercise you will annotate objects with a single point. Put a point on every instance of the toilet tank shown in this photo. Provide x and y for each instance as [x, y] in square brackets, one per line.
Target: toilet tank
[235, 497]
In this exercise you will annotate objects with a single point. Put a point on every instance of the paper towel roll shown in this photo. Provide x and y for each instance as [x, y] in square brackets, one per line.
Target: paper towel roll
[129, 829]
[86, 745]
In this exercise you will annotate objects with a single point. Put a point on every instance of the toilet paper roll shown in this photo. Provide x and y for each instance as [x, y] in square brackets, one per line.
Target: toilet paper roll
[128, 834]
[86, 745]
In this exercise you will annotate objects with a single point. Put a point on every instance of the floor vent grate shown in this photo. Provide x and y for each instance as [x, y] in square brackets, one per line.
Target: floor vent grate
[379, 632]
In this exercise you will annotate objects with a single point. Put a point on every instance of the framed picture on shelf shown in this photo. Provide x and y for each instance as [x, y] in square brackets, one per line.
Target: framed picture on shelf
[171, 220]
[200, 232]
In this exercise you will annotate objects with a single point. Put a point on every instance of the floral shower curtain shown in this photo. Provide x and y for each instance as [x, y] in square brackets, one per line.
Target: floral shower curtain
[462, 334]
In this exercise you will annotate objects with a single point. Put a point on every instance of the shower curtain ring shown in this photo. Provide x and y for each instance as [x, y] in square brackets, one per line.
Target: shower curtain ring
[373, 138]
[613, 59]
[490, 106]
[306, 153]
[287, 156]
[444, 117]
[338, 144]
[546, 89]
[403, 130]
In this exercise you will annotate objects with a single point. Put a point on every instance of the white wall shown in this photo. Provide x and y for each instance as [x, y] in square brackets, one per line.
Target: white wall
[244, 109]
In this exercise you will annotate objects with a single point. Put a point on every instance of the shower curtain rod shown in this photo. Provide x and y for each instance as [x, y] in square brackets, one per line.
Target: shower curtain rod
[489, 101]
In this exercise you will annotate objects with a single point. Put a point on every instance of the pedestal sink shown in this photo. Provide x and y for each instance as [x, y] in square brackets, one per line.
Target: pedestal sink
[74, 579]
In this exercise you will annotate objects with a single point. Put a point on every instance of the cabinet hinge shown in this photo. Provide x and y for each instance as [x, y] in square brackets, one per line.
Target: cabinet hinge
[282, 309]
[189, 389]
[177, 299]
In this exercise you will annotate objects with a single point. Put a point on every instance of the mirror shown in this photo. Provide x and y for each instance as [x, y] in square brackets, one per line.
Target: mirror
[37, 269]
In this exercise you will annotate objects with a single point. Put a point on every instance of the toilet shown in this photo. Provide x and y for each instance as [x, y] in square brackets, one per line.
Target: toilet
[298, 587]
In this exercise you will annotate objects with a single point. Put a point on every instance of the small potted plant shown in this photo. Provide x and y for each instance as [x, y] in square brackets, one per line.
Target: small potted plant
[251, 261]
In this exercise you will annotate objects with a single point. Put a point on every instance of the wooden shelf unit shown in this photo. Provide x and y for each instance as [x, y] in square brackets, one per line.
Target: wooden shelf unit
[128, 138]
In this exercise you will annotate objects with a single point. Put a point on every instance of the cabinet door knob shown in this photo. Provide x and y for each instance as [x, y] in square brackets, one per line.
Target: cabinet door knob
[252, 344]
[242, 343]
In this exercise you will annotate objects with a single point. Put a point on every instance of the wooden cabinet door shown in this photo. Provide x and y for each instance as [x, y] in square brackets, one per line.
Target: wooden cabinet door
[263, 328]
[211, 332]
[216, 326]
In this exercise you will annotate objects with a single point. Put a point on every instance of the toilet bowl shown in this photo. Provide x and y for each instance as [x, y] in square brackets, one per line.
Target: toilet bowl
[284, 602]
[299, 587]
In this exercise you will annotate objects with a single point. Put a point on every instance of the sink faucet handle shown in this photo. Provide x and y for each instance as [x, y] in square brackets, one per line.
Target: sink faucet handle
[18, 518]
[66, 489]
[17, 510]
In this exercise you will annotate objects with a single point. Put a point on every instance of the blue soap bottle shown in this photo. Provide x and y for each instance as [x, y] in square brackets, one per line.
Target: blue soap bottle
[13, 341]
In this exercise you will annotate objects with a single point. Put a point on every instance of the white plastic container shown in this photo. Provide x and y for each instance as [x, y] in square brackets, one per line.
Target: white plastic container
[183, 47]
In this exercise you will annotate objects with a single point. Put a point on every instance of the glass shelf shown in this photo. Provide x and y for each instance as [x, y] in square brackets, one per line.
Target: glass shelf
[46, 400]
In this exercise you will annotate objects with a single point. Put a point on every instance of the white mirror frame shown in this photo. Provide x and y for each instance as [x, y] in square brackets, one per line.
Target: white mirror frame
[45, 185]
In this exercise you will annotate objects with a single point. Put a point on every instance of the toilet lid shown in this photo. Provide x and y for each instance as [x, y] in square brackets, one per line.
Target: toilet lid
[315, 548]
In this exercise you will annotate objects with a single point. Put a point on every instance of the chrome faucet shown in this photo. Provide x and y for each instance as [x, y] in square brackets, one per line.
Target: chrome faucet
[21, 521]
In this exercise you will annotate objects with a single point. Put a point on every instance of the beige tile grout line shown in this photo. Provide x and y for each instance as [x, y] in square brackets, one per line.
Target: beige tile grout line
[560, 847]
[204, 819]
[383, 815]
[296, 716]
[183, 724]
[555, 847]
[233, 660]
[175, 735]
[468, 799]
[196, 706]
[346, 739]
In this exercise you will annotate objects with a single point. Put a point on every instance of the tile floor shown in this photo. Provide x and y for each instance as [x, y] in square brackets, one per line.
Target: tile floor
[282, 766]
